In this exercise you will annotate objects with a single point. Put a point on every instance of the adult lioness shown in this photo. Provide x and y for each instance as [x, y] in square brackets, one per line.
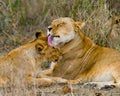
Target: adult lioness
[83, 61]
[23, 63]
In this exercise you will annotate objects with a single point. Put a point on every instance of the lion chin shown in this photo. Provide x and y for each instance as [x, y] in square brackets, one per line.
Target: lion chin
[83, 60]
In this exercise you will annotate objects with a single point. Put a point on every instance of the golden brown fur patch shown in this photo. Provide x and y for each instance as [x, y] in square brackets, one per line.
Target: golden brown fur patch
[23, 64]
[83, 61]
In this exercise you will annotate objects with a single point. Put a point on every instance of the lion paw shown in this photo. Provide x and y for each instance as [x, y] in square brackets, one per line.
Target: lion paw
[107, 87]
[90, 85]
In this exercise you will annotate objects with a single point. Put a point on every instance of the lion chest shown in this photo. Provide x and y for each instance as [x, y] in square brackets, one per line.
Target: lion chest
[67, 68]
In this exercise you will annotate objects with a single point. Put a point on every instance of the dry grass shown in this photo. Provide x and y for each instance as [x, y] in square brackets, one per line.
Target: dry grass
[19, 19]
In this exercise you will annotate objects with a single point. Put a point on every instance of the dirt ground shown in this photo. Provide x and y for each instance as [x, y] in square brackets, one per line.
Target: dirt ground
[62, 90]
[76, 90]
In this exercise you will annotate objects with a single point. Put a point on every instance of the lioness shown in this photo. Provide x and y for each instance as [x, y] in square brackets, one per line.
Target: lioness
[83, 61]
[23, 63]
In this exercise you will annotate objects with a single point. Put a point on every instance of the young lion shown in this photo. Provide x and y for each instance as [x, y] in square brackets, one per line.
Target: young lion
[83, 61]
[23, 63]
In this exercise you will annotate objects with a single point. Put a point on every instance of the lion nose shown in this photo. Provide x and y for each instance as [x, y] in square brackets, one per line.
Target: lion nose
[56, 36]
[49, 28]
[56, 60]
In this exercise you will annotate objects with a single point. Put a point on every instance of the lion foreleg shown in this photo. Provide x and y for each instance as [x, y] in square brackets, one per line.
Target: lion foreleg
[39, 81]
[46, 81]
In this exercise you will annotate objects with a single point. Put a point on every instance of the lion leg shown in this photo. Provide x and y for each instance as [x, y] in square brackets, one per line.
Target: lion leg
[46, 81]
[59, 80]
[116, 77]
[76, 81]
[99, 85]
[41, 82]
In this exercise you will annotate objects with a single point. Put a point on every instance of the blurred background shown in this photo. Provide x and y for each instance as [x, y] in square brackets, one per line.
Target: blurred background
[20, 18]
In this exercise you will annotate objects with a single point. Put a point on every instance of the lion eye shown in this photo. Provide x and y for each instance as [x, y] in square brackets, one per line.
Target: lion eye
[39, 47]
[61, 24]
[49, 28]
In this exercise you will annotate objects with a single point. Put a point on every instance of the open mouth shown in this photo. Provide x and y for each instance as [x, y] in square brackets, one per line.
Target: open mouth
[50, 38]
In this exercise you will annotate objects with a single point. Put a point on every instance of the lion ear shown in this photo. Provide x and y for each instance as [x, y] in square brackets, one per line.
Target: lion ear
[39, 33]
[80, 24]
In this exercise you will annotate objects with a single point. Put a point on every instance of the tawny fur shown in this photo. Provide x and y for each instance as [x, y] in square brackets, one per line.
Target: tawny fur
[23, 64]
[83, 60]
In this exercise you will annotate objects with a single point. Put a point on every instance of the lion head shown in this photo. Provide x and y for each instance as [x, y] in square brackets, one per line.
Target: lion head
[42, 48]
[62, 30]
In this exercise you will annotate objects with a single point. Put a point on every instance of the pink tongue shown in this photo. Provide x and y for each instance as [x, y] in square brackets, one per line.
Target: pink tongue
[50, 38]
